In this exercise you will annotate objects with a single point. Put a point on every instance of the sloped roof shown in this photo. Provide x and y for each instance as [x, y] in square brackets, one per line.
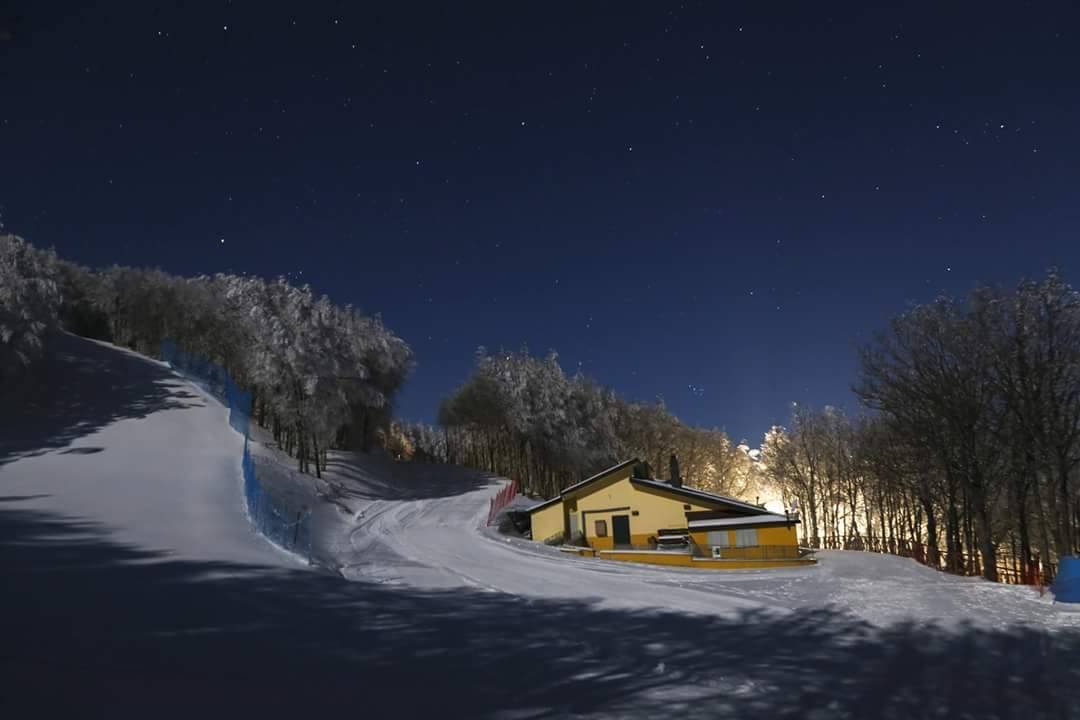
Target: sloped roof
[764, 519]
[699, 495]
[689, 493]
[577, 486]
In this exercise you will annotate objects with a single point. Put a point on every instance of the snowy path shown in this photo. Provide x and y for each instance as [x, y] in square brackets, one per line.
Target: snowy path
[438, 542]
[441, 546]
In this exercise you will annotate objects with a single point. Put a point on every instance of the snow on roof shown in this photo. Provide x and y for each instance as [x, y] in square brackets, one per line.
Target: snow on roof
[748, 520]
[661, 485]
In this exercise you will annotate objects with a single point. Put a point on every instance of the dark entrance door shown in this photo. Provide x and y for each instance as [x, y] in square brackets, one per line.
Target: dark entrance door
[620, 529]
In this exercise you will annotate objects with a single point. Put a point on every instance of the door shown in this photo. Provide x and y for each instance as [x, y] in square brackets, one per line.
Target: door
[620, 529]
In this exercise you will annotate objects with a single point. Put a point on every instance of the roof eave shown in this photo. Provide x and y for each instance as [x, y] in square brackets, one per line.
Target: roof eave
[698, 494]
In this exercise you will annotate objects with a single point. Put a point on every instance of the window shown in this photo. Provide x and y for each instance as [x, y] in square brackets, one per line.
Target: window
[718, 538]
[601, 528]
[746, 538]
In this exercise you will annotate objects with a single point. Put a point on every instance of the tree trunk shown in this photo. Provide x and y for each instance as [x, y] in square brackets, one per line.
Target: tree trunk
[1064, 526]
[931, 533]
[983, 530]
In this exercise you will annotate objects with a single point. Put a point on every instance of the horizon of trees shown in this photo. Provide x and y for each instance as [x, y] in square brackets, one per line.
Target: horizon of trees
[968, 454]
[523, 417]
[29, 304]
[319, 373]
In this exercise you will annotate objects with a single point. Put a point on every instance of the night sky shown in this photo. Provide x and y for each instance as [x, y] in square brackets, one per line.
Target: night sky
[711, 202]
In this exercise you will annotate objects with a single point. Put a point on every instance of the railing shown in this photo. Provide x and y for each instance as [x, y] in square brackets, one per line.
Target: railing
[216, 380]
[754, 552]
[503, 498]
[1010, 569]
[284, 525]
[281, 524]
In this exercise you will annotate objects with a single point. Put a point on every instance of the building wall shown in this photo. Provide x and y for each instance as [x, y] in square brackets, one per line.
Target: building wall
[655, 510]
[548, 523]
[664, 558]
[779, 538]
[616, 495]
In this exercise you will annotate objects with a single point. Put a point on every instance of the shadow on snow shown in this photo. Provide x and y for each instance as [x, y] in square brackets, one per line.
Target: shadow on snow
[371, 477]
[79, 388]
[94, 627]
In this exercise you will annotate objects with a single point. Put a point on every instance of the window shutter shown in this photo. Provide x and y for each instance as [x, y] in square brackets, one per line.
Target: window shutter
[718, 538]
[746, 537]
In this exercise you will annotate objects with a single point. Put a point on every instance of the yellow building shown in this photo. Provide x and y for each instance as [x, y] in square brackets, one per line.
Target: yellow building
[617, 516]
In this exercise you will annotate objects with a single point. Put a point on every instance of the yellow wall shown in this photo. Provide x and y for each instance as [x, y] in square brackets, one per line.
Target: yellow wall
[548, 522]
[655, 510]
[780, 539]
[663, 558]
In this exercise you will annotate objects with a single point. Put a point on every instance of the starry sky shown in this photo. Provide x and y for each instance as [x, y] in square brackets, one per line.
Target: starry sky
[713, 203]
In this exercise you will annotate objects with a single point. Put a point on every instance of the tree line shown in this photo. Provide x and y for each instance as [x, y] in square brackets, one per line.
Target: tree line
[969, 448]
[319, 373]
[522, 416]
[966, 450]
[29, 305]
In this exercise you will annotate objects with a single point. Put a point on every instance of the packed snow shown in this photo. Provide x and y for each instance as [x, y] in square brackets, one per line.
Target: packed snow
[136, 587]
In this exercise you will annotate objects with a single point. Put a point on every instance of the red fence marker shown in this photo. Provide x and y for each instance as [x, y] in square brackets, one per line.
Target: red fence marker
[501, 499]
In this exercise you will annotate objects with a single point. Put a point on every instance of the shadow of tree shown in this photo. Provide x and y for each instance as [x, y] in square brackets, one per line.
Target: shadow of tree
[90, 626]
[371, 477]
[86, 386]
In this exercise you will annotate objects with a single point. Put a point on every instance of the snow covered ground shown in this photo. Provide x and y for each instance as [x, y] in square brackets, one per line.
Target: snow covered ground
[134, 587]
[437, 540]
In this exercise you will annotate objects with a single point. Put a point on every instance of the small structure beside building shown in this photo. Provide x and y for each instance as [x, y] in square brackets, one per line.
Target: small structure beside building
[617, 516]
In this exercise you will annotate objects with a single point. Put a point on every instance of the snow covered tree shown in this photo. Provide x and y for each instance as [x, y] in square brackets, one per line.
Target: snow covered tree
[521, 416]
[312, 366]
[29, 303]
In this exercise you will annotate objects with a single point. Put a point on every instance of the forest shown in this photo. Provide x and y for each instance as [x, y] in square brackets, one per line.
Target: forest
[320, 374]
[523, 417]
[963, 454]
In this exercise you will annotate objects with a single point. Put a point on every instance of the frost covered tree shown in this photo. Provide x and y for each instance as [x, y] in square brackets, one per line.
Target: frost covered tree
[29, 303]
[969, 457]
[312, 366]
[522, 416]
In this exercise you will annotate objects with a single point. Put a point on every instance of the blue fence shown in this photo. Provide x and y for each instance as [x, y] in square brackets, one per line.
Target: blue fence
[286, 526]
[216, 379]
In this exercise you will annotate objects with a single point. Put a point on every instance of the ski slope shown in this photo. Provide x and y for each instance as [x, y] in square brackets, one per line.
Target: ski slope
[135, 587]
[119, 440]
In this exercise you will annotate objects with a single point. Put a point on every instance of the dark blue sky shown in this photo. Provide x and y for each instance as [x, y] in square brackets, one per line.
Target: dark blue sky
[719, 195]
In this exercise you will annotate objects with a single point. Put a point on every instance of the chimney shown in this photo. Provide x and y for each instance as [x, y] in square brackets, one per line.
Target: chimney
[676, 478]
